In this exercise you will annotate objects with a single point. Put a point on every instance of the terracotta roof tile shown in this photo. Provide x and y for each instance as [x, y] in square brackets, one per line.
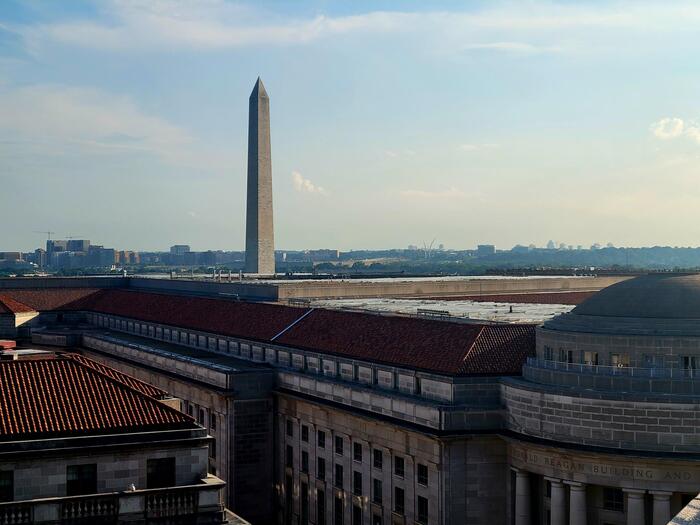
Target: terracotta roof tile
[132, 382]
[46, 299]
[257, 321]
[439, 346]
[63, 397]
[9, 305]
[500, 350]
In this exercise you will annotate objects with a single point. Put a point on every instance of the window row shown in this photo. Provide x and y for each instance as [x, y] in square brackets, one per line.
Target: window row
[338, 480]
[617, 359]
[82, 479]
[398, 507]
[357, 454]
[367, 374]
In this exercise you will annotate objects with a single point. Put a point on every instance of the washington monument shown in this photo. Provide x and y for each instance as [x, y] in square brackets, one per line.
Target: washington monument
[259, 232]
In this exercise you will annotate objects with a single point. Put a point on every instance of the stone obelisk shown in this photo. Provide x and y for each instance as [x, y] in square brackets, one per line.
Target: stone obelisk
[259, 232]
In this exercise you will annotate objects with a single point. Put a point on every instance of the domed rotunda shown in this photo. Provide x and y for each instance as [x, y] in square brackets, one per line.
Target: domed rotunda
[607, 413]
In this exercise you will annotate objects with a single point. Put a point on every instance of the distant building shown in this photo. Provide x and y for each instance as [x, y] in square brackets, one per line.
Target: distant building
[179, 249]
[127, 257]
[483, 250]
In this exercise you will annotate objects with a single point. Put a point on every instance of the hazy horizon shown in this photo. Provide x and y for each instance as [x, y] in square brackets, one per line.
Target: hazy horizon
[502, 123]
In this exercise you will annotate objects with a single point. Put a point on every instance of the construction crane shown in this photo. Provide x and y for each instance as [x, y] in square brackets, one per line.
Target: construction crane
[49, 233]
[428, 248]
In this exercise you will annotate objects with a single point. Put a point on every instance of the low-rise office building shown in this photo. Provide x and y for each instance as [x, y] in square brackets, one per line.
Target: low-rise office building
[81, 443]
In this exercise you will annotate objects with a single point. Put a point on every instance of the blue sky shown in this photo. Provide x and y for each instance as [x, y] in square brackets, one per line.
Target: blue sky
[393, 123]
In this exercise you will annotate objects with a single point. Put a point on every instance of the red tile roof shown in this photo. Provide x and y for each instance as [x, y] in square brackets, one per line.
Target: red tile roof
[257, 321]
[9, 305]
[500, 350]
[132, 382]
[439, 346]
[46, 299]
[64, 397]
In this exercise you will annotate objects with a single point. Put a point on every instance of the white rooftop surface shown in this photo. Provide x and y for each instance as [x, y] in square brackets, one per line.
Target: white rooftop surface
[421, 279]
[521, 313]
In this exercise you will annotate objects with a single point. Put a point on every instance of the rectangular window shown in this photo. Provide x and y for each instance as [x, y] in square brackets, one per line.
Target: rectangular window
[304, 461]
[689, 362]
[320, 468]
[356, 515]
[212, 448]
[548, 353]
[81, 479]
[590, 358]
[398, 500]
[377, 459]
[376, 519]
[305, 433]
[320, 507]
[613, 499]
[290, 456]
[321, 439]
[338, 511]
[288, 498]
[398, 466]
[200, 416]
[304, 504]
[339, 445]
[422, 505]
[357, 483]
[7, 485]
[422, 474]
[212, 421]
[160, 473]
[620, 360]
[339, 476]
[377, 491]
[357, 452]
[290, 428]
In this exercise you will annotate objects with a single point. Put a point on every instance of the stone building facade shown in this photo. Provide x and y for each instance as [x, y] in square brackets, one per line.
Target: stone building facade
[368, 419]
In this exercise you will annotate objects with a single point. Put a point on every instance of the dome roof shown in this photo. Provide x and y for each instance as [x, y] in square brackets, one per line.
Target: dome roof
[654, 304]
[656, 296]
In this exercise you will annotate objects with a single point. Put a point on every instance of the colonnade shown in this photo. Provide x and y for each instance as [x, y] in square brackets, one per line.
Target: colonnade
[576, 514]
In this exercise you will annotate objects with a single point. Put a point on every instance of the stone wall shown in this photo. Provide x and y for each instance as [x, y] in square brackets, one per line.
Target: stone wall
[608, 420]
[46, 477]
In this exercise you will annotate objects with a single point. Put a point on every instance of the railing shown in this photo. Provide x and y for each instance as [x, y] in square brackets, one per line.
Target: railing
[16, 514]
[89, 508]
[169, 504]
[626, 371]
[183, 504]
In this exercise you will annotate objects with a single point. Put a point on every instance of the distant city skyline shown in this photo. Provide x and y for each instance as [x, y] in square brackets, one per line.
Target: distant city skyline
[393, 124]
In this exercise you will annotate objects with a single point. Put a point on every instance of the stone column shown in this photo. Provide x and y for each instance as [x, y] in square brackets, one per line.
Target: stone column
[662, 507]
[577, 504]
[522, 498]
[635, 506]
[557, 502]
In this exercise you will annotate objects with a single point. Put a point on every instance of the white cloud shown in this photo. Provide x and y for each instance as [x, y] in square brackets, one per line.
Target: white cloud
[673, 127]
[449, 193]
[164, 24]
[512, 47]
[476, 147]
[394, 154]
[667, 128]
[303, 185]
[86, 117]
